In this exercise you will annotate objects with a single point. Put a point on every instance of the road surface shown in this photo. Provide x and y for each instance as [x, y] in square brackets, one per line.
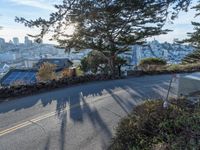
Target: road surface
[81, 117]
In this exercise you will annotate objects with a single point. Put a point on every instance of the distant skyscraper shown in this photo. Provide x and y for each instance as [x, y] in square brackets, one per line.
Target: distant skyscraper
[27, 41]
[16, 40]
[2, 41]
[10, 42]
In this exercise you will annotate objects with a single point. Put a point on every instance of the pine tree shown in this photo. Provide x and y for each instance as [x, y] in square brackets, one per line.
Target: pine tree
[194, 57]
[194, 40]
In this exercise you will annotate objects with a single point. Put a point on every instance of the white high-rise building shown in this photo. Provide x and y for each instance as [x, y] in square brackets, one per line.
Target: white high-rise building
[16, 40]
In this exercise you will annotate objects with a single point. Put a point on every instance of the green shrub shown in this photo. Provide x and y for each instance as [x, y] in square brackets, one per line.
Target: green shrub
[193, 57]
[174, 67]
[151, 63]
[150, 127]
[183, 67]
[94, 62]
[79, 71]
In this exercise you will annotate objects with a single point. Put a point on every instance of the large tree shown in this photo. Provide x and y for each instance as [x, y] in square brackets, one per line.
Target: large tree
[107, 26]
[194, 37]
[194, 40]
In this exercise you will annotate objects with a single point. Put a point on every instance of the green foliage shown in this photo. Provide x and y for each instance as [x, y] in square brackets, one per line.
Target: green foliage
[84, 64]
[193, 57]
[79, 71]
[120, 61]
[96, 61]
[150, 127]
[194, 37]
[151, 63]
[174, 67]
[183, 67]
[93, 62]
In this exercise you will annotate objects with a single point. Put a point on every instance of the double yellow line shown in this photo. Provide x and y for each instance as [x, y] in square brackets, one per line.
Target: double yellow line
[26, 123]
[32, 121]
[14, 128]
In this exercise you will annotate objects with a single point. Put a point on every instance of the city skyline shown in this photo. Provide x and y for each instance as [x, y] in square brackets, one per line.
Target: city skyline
[42, 8]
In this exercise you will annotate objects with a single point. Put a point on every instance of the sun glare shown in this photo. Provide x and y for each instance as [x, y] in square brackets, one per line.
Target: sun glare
[70, 29]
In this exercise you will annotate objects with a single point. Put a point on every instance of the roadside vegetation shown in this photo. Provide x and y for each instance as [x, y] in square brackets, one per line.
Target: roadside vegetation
[158, 65]
[96, 63]
[193, 57]
[148, 64]
[151, 127]
[46, 72]
[184, 67]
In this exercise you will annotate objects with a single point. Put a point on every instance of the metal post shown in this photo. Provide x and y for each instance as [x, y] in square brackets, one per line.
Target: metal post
[166, 102]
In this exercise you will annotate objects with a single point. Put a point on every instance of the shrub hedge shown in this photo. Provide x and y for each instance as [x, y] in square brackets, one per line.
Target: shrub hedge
[22, 90]
[168, 69]
[151, 127]
[151, 63]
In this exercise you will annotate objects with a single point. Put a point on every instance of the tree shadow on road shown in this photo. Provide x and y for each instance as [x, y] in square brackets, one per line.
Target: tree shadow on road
[47, 144]
[73, 101]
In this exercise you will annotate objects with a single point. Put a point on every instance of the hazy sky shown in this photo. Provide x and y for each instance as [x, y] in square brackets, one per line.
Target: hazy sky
[32, 9]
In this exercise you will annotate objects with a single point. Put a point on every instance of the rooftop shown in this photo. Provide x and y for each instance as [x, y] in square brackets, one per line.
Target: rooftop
[19, 75]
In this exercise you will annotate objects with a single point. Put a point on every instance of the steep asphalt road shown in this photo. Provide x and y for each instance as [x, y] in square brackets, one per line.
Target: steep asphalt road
[80, 117]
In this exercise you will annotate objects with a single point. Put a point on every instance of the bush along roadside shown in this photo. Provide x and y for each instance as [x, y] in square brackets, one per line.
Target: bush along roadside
[148, 64]
[23, 90]
[170, 69]
[151, 127]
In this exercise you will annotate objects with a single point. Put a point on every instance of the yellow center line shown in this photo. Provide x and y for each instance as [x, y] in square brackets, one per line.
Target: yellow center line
[14, 127]
[37, 119]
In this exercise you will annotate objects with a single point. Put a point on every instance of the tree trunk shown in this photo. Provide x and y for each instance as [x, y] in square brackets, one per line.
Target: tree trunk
[119, 70]
[112, 66]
